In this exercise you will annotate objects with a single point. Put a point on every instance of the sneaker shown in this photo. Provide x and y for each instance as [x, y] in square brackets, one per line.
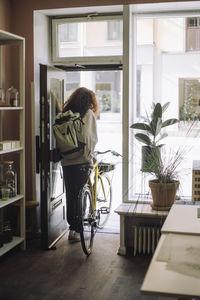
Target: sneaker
[74, 236]
[71, 235]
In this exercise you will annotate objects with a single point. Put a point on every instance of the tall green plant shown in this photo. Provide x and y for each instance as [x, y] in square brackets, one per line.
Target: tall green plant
[164, 167]
[153, 127]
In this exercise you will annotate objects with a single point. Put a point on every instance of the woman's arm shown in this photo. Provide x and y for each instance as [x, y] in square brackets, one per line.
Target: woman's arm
[58, 104]
[91, 139]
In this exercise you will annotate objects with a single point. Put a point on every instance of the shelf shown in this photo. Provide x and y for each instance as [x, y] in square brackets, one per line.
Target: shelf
[9, 39]
[11, 108]
[8, 246]
[11, 200]
[11, 150]
[7, 36]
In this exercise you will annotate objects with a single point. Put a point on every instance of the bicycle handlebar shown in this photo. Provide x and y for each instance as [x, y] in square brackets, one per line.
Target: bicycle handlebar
[111, 151]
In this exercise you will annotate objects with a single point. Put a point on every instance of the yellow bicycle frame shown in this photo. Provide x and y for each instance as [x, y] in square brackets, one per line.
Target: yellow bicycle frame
[93, 187]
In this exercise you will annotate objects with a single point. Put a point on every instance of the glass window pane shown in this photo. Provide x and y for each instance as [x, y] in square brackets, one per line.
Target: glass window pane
[107, 86]
[189, 105]
[95, 38]
[68, 32]
[114, 30]
[192, 22]
[166, 73]
[108, 90]
[73, 82]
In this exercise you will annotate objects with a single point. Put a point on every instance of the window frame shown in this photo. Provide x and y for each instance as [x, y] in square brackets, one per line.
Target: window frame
[83, 59]
[195, 26]
[182, 95]
[195, 30]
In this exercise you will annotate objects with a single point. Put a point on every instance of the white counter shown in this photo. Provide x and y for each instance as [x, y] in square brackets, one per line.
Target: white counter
[175, 267]
[182, 219]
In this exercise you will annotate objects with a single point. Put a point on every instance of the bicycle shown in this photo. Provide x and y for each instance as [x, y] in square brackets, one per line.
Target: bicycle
[95, 200]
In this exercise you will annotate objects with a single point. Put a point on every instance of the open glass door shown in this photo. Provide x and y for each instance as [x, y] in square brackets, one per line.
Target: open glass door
[53, 202]
[107, 85]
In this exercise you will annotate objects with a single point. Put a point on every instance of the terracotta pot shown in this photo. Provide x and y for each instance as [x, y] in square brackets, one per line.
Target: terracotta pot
[163, 194]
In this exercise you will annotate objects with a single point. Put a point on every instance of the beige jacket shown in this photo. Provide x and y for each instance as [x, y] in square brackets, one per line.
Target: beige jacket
[91, 139]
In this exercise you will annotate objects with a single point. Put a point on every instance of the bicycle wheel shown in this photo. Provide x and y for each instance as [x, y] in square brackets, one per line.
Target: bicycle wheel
[104, 199]
[87, 220]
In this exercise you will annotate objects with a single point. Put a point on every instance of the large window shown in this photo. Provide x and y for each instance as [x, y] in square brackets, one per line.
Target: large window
[156, 68]
[165, 72]
[87, 37]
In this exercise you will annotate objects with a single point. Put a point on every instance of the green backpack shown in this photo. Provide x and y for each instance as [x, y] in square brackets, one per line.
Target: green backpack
[68, 131]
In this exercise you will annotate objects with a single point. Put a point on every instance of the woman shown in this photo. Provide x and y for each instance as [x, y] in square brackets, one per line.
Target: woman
[76, 171]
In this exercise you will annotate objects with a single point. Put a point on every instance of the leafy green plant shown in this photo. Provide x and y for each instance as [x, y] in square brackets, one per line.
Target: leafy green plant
[165, 167]
[166, 178]
[153, 127]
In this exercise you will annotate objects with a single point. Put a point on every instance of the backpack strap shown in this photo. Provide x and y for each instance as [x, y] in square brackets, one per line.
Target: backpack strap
[64, 119]
[79, 148]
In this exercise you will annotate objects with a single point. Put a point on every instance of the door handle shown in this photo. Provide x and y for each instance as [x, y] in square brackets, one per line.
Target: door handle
[61, 172]
[58, 203]
[37, 142]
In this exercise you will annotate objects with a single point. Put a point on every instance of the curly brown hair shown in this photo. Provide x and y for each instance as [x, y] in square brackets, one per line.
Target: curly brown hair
[81, 100]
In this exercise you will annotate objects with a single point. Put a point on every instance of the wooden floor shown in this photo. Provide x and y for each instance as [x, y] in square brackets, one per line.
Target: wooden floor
[66, 273]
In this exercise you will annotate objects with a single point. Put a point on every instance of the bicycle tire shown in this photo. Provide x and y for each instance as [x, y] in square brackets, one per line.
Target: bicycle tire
[103, 206]
[87, 219]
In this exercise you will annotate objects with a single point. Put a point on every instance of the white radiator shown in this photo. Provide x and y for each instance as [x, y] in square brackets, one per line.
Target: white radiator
[146, 238]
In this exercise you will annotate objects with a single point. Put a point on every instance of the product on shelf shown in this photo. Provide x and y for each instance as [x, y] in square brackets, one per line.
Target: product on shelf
[12, 96]
[5, 193]
[2, 97]
[5, 145]
[6, 234]
[1, 178]
[8, 180]
[1, 239]
[15, 144]
[9, 144]
[11, 179]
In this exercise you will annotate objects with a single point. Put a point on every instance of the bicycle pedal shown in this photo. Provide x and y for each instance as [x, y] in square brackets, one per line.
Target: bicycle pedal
[104, 210]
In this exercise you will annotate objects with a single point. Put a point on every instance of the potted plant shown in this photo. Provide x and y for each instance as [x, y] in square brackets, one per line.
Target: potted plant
[153, 129]
[165, 183]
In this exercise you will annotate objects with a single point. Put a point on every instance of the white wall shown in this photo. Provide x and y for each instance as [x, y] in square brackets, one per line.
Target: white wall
[160, 73]
[169, 34]
[175, 66]
[41, 55]
[145, 31]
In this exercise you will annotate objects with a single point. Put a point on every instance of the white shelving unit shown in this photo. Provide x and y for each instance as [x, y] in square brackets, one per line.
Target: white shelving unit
[7, 38]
